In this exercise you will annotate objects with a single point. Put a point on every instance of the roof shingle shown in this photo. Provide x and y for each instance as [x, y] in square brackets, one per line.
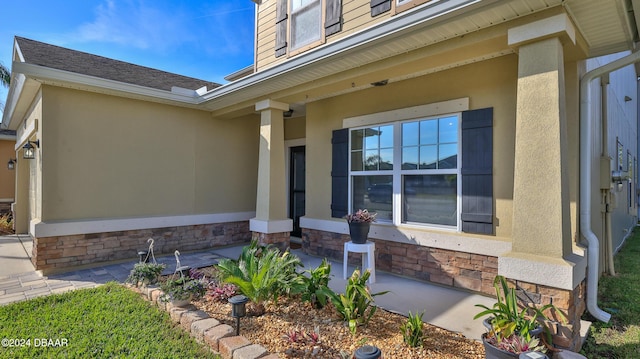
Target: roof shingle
[56, 57]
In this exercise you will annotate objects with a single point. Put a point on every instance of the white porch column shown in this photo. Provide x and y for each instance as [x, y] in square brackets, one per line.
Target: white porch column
[271, 224]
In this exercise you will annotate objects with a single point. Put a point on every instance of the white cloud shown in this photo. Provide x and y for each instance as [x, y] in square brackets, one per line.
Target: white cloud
[134, 24]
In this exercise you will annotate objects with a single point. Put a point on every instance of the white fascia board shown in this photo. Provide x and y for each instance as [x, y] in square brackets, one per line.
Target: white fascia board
[358, 40]
[15, 90]
[45, 73]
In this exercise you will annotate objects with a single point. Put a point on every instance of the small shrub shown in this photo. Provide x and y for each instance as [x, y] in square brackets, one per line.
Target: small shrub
[182, 288]
[356, 306]
[300, 336]
[316, 286]
[412, 330]
[145, 273]
[6, 223]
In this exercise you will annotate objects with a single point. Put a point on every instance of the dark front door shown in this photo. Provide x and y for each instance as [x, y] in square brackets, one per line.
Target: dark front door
[296, 187]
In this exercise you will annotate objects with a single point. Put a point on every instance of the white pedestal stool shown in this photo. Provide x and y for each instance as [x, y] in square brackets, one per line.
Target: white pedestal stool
[368, 251]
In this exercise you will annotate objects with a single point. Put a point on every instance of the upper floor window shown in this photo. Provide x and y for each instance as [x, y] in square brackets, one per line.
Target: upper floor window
[306, 17]
[301, 24]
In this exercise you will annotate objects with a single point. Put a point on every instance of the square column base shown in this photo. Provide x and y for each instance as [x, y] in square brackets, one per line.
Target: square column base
[278, 240]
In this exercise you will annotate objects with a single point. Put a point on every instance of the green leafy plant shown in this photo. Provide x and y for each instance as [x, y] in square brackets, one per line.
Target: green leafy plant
[262, 273]
[508, 317]
[412, 330]
[315, 288]
[183, 288]
[356, 305]
[145, 274]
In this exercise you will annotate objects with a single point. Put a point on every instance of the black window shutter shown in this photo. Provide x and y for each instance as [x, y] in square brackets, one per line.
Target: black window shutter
[380, 6]
[340, 173]
[281, 28]
[477, 171]
[333, 22]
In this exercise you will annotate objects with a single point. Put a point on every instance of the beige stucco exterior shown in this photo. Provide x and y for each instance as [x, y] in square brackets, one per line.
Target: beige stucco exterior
[110, 157]
[7, 176]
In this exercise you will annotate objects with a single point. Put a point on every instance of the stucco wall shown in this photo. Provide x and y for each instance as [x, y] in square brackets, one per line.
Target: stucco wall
[109, 157]
[487, 84]
[7, 177]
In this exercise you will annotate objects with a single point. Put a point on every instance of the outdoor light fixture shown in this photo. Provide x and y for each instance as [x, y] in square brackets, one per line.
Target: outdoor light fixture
[143, 256]
[29, 150]
[287, 113]
[12, 163]
[238, 309]
[368, 352]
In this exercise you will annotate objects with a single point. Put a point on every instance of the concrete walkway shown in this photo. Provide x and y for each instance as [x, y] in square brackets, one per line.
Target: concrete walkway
[444, 307]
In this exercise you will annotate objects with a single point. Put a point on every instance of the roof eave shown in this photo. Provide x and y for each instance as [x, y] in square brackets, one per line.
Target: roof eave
[394, 25]
[23, 71]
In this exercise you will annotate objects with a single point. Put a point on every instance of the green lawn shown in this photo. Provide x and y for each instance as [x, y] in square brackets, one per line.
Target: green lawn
[105, 322]
[620, 296]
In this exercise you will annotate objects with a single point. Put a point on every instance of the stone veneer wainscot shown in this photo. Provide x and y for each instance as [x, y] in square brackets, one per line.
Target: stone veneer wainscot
[55, 254]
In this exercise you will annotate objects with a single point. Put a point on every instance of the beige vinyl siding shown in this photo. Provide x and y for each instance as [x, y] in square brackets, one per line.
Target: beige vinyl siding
[356, 15]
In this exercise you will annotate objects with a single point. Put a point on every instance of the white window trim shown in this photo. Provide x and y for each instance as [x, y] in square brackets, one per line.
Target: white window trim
[396, 118]
[403, 114]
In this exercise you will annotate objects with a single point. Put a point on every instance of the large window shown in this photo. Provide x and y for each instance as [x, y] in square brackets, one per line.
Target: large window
[408, 171]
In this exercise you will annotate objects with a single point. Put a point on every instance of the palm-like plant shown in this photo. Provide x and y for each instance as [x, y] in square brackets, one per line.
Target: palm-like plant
[262, 273]
[5, 76]
[356, 306]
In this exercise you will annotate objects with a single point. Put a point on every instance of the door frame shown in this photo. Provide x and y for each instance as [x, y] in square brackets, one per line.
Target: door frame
[288, 145]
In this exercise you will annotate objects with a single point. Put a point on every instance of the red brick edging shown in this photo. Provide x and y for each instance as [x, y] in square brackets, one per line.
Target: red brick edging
[219, 337]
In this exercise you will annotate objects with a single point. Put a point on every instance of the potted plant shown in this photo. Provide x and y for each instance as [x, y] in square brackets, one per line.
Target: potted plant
[510, 324]
[511, 346]
[359, 224]
[180, 290]
[144, 274]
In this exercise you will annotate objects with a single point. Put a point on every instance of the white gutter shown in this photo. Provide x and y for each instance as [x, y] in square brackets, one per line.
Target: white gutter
[593, 243]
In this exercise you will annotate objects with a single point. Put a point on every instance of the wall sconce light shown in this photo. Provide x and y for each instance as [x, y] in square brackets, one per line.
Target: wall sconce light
[238, 309]
[627, 99]
[12, 163]
[29, 150]
[287, 113]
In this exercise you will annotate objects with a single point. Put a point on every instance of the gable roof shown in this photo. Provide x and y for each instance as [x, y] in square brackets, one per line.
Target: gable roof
[56, 57]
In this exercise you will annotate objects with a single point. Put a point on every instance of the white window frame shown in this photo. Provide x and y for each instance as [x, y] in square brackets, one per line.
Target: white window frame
[397, 172]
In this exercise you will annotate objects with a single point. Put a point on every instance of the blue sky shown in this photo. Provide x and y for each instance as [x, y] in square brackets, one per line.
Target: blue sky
[206, 39]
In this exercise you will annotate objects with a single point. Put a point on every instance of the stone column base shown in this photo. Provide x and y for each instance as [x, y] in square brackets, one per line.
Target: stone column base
[279, 240]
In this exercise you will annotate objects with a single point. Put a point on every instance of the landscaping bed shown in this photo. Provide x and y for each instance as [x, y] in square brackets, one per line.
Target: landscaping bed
[272, 331]
[294, 314]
